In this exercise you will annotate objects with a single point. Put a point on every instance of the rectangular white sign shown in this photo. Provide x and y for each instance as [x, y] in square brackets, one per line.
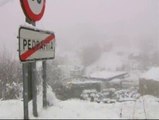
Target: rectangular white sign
[36, 44]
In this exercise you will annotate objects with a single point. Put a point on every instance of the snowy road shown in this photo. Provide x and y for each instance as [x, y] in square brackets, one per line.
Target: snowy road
[144, 108]
[76, 109]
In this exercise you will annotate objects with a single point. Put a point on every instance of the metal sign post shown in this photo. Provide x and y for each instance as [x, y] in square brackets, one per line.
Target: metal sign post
[33, 75]
[34, 88]
[30, 94]
[25, 89]
[44, 85]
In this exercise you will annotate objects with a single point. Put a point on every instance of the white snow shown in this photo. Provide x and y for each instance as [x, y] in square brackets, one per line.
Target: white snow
[11, 109]
[83, 82]
[51, 98]
[105, 74]
[74, 109]
[152, 74]
[78, 109]
[116, 81]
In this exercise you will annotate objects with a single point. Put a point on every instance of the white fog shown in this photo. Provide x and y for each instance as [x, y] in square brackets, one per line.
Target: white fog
[106, 59]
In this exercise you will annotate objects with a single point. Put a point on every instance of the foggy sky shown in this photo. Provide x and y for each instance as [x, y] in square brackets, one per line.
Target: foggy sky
[80, 23]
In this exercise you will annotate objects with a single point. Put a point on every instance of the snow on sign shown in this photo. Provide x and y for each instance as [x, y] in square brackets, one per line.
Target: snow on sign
[36, 44]
[33, 9]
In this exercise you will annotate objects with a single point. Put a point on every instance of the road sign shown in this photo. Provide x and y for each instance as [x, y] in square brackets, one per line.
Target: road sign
[36, 44]
[33, 9]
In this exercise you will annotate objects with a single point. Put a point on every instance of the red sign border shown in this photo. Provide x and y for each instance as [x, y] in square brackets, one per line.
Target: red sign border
[36, 30]
[29, 13]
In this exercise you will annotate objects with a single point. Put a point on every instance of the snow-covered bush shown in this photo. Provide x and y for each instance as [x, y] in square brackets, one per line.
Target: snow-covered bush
[127, 94]
[51, 98]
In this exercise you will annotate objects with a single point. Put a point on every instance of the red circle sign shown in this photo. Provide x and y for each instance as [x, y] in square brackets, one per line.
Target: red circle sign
[33, 9]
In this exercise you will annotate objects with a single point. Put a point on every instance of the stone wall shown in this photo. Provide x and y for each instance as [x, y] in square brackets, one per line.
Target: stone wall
[149, 87]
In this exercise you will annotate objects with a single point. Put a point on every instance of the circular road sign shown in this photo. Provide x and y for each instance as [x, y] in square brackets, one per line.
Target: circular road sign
[33, 9]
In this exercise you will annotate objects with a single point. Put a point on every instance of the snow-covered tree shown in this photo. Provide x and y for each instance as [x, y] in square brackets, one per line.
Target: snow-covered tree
[10, 76]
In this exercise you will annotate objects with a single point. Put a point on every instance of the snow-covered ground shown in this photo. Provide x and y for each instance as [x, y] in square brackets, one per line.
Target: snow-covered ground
[144, 107]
